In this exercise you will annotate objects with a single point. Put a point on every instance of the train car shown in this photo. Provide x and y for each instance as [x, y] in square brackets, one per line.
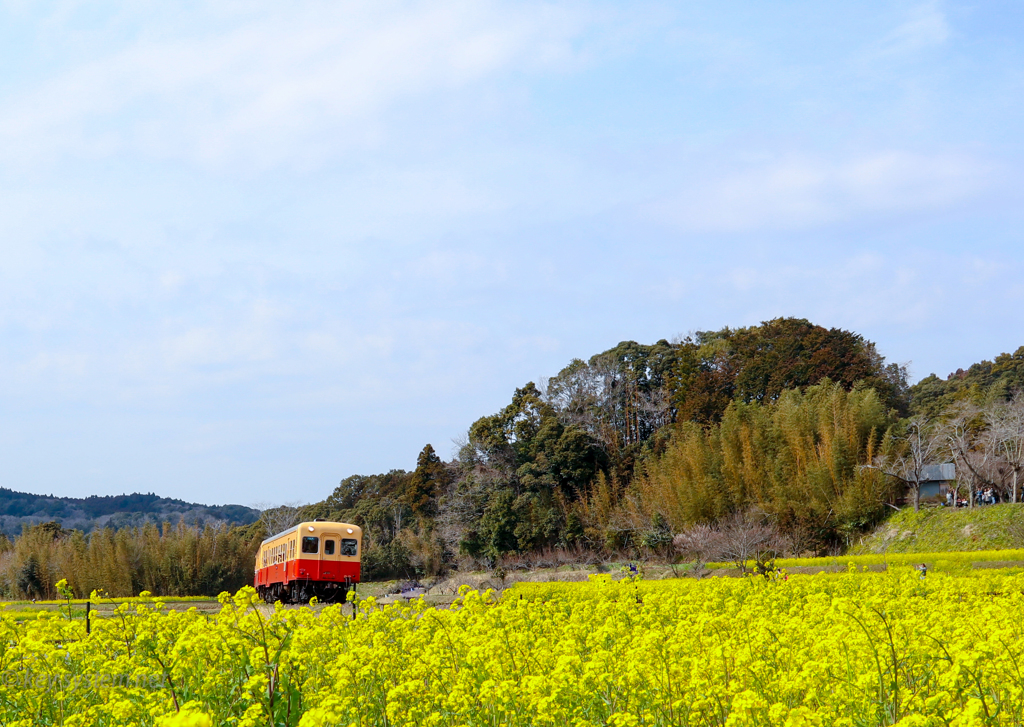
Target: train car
[316, 558]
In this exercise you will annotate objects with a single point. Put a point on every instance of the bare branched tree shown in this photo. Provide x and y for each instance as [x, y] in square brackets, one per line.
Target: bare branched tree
[1006, 424]
[919, 448]
[965, 434]
[750, 535]
[742, 537]
[699, 544]
[611, 402]
[276, 518]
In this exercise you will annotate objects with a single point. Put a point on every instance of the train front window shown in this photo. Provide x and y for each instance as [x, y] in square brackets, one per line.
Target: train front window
[349, 546]
[328, 547]
[310, 545]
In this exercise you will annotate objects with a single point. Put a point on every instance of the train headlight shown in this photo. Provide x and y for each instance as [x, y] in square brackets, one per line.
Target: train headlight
[310, 528]
[350, 530]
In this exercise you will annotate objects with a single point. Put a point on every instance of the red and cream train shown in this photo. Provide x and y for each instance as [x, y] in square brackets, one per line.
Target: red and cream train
[316, 558]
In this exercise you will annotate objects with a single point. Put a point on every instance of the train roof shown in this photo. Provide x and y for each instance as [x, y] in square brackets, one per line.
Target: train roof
[310, 522]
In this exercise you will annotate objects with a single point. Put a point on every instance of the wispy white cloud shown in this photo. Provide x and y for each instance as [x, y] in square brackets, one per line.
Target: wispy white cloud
[925, 27]
[801, 191]
[909, 292]
[306, 239]
[286, 87]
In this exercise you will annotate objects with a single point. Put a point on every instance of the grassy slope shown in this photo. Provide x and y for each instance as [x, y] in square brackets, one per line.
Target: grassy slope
[934, 530]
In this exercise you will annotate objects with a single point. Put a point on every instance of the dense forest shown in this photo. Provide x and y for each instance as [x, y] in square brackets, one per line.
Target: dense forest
[805, 430]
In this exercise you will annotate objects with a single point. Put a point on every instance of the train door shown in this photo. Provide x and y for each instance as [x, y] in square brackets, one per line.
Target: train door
[329, 569]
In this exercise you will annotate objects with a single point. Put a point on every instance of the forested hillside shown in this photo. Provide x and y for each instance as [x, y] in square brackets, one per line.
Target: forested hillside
[18, 509]
[633, 445]
[806, 427]
[982, 384]
[800, 433]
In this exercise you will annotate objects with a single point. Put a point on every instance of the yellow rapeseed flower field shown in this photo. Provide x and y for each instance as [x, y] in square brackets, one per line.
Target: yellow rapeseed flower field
[854, 648]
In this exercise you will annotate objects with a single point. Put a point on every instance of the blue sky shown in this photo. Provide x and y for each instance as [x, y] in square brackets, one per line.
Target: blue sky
[249, 248]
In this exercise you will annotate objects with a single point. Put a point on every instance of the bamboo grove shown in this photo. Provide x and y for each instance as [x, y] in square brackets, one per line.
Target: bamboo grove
[179, 560]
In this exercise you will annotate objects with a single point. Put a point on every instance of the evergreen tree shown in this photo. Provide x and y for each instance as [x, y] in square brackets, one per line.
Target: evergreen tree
[425, 483]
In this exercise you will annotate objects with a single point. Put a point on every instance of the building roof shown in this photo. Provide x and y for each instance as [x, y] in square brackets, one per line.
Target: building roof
[938, 472]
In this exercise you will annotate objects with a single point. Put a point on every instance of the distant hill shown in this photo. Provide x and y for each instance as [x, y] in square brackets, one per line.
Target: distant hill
[982, 383]
[115, 511]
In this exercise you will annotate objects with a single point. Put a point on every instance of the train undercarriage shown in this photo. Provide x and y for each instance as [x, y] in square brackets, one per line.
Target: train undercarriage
[303, 591]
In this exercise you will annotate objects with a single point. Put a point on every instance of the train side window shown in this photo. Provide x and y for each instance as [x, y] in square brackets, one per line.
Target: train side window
[310, 545]
[328, 547]
[349, 546]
